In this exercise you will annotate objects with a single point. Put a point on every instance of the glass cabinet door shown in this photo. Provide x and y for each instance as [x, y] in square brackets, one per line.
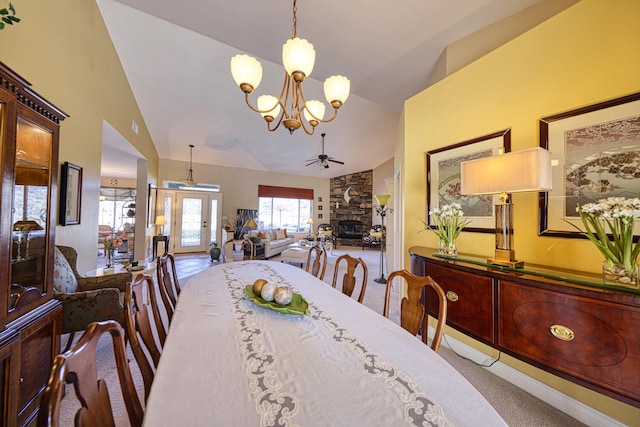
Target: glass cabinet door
[30, 211]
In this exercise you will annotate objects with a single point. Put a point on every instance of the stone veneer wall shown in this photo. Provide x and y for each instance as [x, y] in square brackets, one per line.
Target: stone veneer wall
[359, 206]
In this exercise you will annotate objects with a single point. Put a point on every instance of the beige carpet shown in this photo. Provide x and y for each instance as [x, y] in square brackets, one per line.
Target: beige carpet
[516, 407]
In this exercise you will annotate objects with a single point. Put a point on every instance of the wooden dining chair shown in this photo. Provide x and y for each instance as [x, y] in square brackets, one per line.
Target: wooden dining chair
[412, 311]
[319, 264]
[349, 278]
[78, 367]
[168, 284]
[140, 331]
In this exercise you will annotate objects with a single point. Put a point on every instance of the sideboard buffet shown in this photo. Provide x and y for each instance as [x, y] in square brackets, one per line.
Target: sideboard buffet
[564, 322]
[30, 319]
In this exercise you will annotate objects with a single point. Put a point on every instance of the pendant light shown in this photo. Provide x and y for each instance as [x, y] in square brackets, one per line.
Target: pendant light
[189, 182]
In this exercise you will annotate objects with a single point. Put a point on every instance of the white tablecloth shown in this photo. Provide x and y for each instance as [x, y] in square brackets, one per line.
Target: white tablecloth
[228, 362]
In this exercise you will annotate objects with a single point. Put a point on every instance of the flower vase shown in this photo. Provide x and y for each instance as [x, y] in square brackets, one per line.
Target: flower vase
[616, 274]
[448, 248]
[110, 258]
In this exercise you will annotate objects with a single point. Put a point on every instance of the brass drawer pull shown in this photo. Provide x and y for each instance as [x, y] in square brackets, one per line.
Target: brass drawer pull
[452, 296]
[562, 332]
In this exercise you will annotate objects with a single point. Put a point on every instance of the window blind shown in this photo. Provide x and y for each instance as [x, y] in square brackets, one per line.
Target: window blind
[285, 192]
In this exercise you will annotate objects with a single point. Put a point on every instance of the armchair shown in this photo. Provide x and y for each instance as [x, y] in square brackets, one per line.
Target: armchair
[325, 234]
[86, 299]
[375, 236]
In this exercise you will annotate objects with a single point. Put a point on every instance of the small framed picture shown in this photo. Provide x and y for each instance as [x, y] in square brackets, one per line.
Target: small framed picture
[319, 207]
[319, 199]
[70, 194]
[319, 216]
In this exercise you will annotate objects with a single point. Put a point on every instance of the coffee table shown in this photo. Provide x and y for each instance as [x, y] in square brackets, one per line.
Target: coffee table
[296, 254]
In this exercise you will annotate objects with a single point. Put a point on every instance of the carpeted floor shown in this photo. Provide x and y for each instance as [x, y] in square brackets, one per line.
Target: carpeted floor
[517, 407]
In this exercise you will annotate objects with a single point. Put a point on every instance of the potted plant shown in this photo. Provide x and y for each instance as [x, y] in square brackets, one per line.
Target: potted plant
[214, 251]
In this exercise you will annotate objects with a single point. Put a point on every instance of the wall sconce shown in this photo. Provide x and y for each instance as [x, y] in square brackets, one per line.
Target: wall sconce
[515, 172]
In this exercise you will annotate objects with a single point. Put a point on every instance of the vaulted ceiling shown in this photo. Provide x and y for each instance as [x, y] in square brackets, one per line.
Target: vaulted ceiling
[176, 57]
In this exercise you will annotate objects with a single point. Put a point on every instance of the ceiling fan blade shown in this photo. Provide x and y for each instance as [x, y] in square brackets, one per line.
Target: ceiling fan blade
[315, 161]
[336, 161]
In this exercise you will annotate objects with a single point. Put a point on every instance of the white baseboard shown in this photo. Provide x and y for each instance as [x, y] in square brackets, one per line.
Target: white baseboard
[567, 404]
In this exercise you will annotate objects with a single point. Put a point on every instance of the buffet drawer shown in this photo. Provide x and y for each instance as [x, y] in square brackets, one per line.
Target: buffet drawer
[469, 301]
[593, 341]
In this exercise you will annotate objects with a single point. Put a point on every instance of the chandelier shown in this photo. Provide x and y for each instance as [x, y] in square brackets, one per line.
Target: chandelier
[298, 58]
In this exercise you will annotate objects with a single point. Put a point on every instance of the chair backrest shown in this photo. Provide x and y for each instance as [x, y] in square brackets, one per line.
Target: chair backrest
[168, 283]
[349, 278]
[319, 264]
[139, 329]
[412, 311]
[78, 367]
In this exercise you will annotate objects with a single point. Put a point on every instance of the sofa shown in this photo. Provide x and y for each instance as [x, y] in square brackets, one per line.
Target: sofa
[275, 241]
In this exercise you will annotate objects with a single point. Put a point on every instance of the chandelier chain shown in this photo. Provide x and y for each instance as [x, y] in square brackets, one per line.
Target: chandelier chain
[295, 20]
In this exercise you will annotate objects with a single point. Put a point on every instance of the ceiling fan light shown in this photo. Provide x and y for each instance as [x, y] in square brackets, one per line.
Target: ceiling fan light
[269, 106]
[298, 56]
[246, 71]
[337, 88]
[314, 111]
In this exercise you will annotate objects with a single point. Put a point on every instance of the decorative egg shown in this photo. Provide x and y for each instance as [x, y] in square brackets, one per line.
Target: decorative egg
[257, 286]
[268, 291]
[283, 295]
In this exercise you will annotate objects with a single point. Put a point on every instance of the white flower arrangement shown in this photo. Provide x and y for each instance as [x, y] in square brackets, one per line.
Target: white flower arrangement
[448, 222]
[613, 216]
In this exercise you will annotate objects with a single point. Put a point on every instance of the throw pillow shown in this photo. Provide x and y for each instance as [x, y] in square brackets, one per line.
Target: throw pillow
[285, 233]
[272, 234]
[64, 281]
[262, 235]
[279, 234]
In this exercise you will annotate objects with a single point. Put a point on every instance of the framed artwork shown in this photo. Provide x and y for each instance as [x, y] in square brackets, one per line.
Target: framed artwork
[443, 178]
[151, 205]
[319, 199]
[319, 216]
[70, 194]
[597, 151]
[319, 207]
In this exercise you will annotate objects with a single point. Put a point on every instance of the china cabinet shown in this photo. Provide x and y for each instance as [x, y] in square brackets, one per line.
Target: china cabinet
[30, 320]
[565, 322]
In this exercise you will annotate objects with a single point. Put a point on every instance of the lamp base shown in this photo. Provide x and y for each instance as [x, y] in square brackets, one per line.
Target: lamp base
[381, 279]
[504, 263]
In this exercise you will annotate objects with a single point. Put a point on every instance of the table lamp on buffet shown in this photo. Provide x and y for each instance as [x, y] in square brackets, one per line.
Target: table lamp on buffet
[515, 172]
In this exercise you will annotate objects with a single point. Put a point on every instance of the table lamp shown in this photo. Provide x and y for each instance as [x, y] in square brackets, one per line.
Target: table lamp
[24, 227]
[250, 224]
[310, 222]
[381, 209]
[160, 221]
[515, 172]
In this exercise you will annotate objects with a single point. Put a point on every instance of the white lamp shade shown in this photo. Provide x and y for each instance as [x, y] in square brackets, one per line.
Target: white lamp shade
[269, 104]
[337, 88]
[298, 55]
[519, 171]
[316, 108]
[382, 199]
[246, 69]
[160, 220]
[310, 221]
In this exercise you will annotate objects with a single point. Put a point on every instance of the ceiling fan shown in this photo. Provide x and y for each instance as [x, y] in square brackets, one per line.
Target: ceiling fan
[323, 158]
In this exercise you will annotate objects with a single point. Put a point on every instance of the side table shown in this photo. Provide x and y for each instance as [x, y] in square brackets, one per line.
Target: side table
[160, 238]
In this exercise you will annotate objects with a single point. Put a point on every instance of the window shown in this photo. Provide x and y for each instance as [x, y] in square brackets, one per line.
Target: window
[117, 208]
[284, 207]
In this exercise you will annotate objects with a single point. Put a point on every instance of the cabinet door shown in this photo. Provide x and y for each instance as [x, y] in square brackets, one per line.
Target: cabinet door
[32, 216]
[596, 342]
[9, 378]
[469, 301]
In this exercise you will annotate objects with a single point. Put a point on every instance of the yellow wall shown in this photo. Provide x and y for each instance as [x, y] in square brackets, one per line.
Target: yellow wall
[63, 48]
[586, 54]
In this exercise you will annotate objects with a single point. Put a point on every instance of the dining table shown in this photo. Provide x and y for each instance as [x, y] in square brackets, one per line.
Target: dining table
[228, 361]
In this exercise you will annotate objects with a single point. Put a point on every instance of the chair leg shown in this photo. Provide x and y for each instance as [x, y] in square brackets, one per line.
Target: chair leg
[69, 342]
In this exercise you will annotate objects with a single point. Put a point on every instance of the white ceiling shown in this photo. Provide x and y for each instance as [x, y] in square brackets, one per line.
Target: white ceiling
[176, 57]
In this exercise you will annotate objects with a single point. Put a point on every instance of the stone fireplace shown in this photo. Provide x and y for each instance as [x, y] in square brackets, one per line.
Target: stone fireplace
[351, 207]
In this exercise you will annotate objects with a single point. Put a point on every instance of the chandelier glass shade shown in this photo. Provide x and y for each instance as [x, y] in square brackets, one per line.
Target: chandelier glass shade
[298, 58]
